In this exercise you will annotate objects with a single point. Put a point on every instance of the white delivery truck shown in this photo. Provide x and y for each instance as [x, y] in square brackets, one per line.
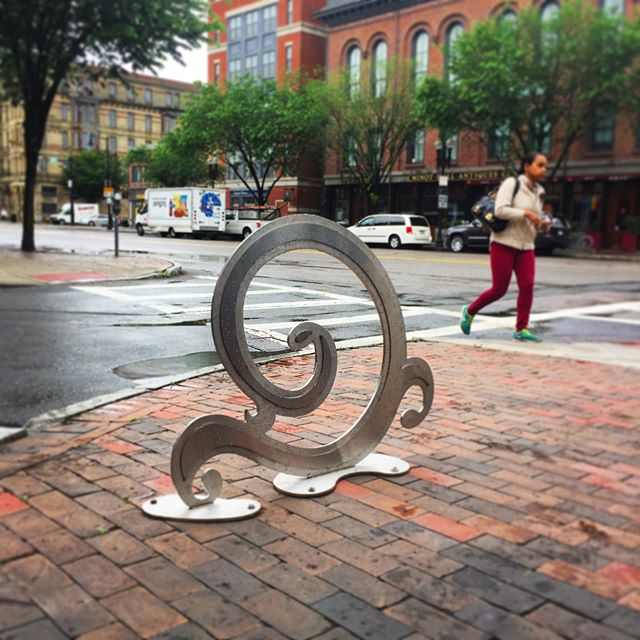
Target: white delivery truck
[243, 221]
[83, 213]
[195, 211]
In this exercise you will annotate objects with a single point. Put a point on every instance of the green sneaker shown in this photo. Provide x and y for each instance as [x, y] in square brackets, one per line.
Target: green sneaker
[466, 320]
[526, 335]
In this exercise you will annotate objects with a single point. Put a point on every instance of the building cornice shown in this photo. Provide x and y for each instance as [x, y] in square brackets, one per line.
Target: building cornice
[361, 9]
[250, 7]
[302, 27]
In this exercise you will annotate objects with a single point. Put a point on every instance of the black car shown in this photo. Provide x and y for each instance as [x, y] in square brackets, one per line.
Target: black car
[470, 234]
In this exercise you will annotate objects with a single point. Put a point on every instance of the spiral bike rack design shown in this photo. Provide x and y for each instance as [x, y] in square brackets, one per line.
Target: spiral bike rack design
[303, 471]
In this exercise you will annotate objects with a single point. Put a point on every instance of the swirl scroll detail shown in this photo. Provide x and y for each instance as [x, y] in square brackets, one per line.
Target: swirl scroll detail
[303, 471]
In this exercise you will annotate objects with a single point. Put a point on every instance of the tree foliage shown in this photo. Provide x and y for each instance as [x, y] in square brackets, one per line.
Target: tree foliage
[538, 80]
[368, 132]
[171, 163]
[88, 171]
[258, 129]
[41, 41]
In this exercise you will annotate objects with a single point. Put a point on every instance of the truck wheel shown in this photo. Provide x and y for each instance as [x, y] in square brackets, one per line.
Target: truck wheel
[246, 232]
[456, 244]
[62, 222]
[172, 232]
[140, 229]
[91, 223]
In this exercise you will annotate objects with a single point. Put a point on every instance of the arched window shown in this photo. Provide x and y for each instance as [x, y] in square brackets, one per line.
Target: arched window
[420, 54]
[379, 68]
[454, 31]
[353, 64]
[549, 10]
[509, 15]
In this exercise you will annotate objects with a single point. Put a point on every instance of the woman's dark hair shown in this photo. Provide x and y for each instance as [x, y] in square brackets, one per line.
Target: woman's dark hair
[528, 158]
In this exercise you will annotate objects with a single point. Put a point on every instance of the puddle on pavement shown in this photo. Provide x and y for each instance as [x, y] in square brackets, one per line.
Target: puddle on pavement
[176, 365]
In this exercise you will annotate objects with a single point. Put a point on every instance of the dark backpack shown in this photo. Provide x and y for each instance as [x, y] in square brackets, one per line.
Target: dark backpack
[484, 211]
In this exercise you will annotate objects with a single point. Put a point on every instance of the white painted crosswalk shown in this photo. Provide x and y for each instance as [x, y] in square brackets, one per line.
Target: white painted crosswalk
[271, 310]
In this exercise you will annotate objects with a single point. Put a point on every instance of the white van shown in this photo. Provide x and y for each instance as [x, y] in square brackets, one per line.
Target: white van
[184, 211]
[245, 220]
[83, 213]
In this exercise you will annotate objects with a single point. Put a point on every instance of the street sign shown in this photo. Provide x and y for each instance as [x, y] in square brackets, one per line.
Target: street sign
[107, 191]
[443, 181]
[443, 201]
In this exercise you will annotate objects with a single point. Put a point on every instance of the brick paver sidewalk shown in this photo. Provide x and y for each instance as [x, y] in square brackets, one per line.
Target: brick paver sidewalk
[520, 518]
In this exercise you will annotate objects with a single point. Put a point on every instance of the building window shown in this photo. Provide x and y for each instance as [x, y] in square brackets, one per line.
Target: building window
[137, 173]
[168, 123]
[176, 100]
[112, 89]
[130, 94]
[65, 140]
[49, 192]
[269, 64]
[64, 111]
[415, 148]
[269, 18]
[168, 99]
[453, 33]
[234, 28]
[75, 136]
[131, 121]
[113, 118]
[509, 15]
[112, 144]
[289, 11]
[353, 63]
[131, 143]
[499, 142]
[147, 124]
[288, 57]
[420, 54]
[235, 68]
[88, 87]
[602, 130]
[251, 65]
[216, 72]
[148, 96]
[549, 10]
[379, 68]
[251, 28]
[88, 140]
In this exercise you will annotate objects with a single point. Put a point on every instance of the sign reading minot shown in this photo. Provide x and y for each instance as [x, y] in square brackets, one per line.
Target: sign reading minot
[483, 174]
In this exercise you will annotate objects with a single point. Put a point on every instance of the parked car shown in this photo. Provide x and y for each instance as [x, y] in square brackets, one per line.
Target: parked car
[393, 229]
[470, 234]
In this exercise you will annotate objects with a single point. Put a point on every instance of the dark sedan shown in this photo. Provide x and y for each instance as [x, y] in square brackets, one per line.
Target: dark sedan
[470, 234]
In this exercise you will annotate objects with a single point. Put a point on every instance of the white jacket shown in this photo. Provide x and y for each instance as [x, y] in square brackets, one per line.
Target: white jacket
[520, 233]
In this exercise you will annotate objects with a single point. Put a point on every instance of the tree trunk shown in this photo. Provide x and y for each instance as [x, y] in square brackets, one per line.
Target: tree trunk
[32, 143]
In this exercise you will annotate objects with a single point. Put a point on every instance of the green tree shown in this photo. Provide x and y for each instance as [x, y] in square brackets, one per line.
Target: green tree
[532, 81]
[370, 123]
[260, 130]
[41, 41]
[88, 171]
[172, 162]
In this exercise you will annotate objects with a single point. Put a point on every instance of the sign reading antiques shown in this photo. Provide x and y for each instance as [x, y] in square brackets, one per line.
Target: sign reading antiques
[488, 174]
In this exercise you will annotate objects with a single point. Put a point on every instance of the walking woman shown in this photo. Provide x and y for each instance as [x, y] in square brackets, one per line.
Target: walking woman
[512, 250]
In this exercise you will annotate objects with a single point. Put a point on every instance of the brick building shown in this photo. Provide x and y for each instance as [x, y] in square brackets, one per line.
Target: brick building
[601, 183]
[268, 39]
[86, 115]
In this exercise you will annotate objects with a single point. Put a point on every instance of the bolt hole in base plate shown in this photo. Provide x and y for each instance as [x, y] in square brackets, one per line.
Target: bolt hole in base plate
[374, 463]
[171, 507]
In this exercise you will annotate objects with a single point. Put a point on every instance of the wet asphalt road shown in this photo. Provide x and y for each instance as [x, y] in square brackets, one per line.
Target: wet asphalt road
[65, 344]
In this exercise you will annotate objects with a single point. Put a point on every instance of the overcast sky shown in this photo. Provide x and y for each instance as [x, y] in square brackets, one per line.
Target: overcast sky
[195, 69]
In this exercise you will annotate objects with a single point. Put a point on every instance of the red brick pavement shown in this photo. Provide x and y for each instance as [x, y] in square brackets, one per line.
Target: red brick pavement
[519, 519]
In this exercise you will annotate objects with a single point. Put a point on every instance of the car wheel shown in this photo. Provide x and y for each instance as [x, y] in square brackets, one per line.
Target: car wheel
[246, 232]
[172, 232]
[456, 244]
[62, 222]
[140, 229]
[91, 223]
[394, 242]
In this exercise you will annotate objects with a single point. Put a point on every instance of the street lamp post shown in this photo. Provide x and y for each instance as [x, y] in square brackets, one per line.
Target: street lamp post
[443, 161]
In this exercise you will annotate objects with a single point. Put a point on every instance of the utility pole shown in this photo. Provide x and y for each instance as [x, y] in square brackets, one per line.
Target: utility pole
[443, 160]
[70, 185]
